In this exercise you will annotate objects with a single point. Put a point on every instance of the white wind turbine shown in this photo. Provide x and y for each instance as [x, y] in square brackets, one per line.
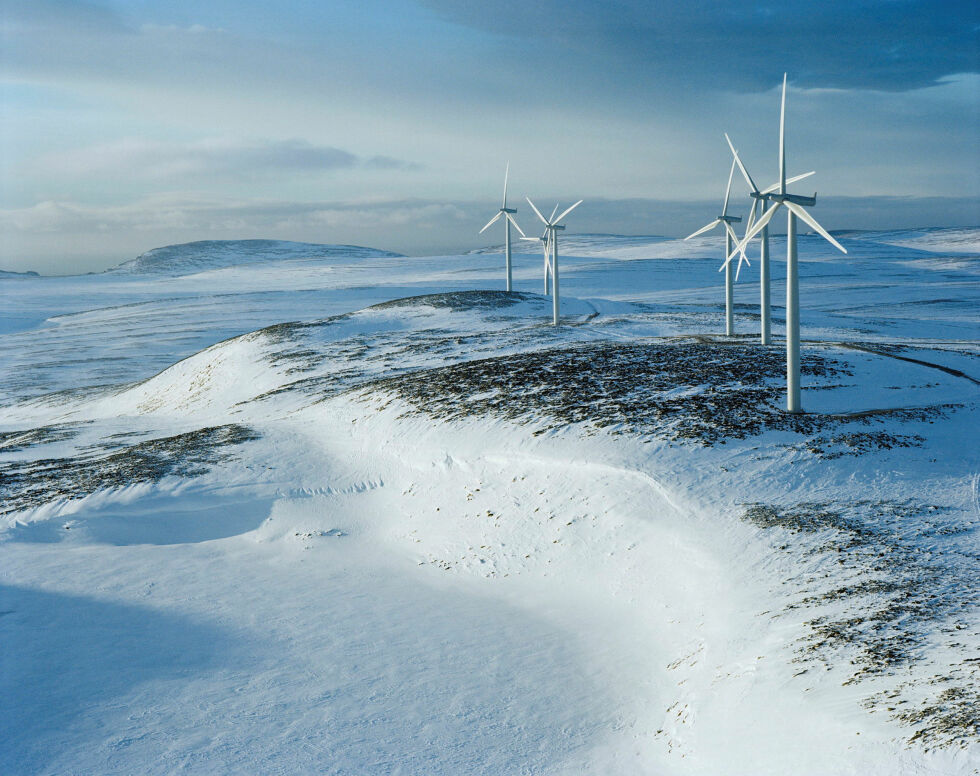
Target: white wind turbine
[545, 240]
[507, 213]
[551, 228]
[730, 239]
[765, 309]
[794, 209]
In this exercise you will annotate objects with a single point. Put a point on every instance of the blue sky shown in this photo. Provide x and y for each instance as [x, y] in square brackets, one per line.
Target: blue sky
[128, 125]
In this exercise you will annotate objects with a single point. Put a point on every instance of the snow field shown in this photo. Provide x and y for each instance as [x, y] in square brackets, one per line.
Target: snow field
[361, 587]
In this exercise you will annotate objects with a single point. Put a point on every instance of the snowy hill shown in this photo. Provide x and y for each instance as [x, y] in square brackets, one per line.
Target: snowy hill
[386, 518]
[949, 240]
[217, 254]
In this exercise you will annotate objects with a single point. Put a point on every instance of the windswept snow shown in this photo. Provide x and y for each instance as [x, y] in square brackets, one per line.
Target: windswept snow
[217, 254]
[268, 507]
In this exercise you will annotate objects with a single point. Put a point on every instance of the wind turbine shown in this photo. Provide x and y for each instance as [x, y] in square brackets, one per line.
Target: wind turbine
[764, 306]
[794, 209]
[551, 228]
[730, 238]
[507, 213]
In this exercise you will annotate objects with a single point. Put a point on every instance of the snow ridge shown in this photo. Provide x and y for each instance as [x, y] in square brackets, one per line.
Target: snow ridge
[217, 254]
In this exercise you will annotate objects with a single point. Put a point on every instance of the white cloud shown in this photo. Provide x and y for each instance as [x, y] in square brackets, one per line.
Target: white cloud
[193, 29]
[211, 159]
[180, 213]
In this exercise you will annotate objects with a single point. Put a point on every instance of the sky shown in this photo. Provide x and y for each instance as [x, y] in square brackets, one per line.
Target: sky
[130, 124]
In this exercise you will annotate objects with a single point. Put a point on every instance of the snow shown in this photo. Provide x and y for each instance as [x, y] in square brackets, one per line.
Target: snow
[206, 255]
[290, 509]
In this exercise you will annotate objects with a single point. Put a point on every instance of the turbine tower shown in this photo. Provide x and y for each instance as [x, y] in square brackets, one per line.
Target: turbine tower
[551, 228]
[730, 239]
[507, 214]
[794, 209]
[765, 309]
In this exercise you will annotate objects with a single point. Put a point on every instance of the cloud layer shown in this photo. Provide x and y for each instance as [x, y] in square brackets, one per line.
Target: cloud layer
[231, 159]
[879, 44]
[129, 125]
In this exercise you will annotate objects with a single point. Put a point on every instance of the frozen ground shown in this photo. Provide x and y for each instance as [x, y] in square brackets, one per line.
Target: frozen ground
[284, 508]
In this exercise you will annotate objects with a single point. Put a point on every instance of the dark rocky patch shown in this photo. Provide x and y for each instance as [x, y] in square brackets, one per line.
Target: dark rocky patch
[857, 443]
[26, 484]
[15, 441]
[883, 590]
[704, 392]
[948, 715]
[460, 300]
[280, 333]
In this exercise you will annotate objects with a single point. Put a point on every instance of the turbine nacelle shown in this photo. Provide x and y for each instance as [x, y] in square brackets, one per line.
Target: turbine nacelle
[798, 199]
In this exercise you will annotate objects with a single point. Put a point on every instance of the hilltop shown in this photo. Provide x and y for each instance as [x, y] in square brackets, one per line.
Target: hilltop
[217, 254]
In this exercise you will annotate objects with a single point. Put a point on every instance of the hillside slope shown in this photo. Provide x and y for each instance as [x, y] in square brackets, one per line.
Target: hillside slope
[434, 534]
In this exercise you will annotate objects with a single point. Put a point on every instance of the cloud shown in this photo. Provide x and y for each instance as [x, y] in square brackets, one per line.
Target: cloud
[389, 163]
[208, 159]
[880, 44]
[210, 215]
[21, 16]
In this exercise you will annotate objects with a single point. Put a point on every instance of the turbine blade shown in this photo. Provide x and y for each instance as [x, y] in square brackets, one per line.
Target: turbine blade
[728, 191]
[738, 247]
[804, 216]
[751, 219]
[537, 212]
[704, 229]
[731, 231]
[758, 227]
[506, 176]
[568, 211]
[492, 221]
[738, 267]
[745, 173]
[782, 141]
[551, 218]
[741, 258]
[514, 222]
[794, 179]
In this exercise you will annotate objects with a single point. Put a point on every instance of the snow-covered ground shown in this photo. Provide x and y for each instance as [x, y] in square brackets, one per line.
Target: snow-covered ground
[285, 508]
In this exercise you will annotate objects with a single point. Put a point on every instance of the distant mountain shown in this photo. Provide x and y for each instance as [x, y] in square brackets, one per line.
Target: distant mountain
[8, 274]
[204, 255]
[955, 240]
